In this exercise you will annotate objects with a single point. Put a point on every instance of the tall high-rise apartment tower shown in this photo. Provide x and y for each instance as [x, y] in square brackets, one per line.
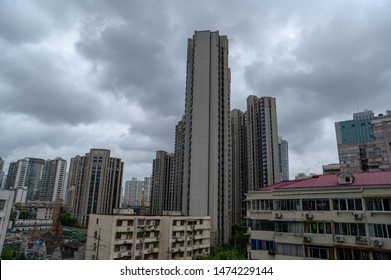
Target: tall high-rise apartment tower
[284, 159]
[206, 168]
[262, 142]
[51, 186]
[97, 178]
[25, 172]
[161, 174]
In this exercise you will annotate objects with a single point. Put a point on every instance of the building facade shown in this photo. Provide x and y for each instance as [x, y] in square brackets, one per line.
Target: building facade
[363, 143]
[130, 237]
[262, 142]
[239, 166]
[97, 178]
[25, 172]
[206, 168]
[160, 181]
[133, 193]
[2, 174]
[283, 159]
[6, 202]
[323, 217]
[51, 185]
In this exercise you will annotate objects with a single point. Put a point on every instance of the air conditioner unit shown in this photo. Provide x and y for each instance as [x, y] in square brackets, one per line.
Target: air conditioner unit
[307, 239]
[308, 216]
[357, 216]
[339, 238]
[377, 243]
[278, 215]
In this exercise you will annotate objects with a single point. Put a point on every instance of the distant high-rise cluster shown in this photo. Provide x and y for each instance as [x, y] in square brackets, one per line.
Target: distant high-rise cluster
[219, 155]
[364, 142]
[40, 179]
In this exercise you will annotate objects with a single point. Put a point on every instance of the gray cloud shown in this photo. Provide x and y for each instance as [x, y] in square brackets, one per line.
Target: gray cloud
[111, 74]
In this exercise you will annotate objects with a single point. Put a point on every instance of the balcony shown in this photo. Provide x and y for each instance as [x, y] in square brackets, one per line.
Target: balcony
[122, 241]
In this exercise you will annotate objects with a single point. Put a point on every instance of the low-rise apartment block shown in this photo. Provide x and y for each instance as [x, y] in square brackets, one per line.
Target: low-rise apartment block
[324, 217]
[124, 236]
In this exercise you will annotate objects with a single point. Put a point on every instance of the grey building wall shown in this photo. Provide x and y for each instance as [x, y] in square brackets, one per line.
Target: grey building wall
[206, 174]
[262, 137]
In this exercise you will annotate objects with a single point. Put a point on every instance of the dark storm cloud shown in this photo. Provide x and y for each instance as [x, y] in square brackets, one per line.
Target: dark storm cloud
[336, 66]
[131, 56]
[36, 85]
[111, 74]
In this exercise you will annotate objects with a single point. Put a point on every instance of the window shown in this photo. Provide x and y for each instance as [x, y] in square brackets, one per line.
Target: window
[378, 204]
[381, 255]
[352, 254]
[291, 227]
[317, 227]
[352, 229]
[2, 204]
[262, 204]
[324, 253]
[119, 223]
[264, 225]
[287, 204]
[264, 245]
[379, 230]
[290, 249]
[350, 204]
[316, 204]
[97, 220]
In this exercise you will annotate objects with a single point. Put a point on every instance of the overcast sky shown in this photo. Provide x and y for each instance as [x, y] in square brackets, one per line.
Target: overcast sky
[76, 75]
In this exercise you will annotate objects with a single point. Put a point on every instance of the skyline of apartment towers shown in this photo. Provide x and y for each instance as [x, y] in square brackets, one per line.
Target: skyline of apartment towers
[219, 155]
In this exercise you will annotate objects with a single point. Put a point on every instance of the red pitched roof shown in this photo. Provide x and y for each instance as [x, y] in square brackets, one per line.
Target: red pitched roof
[331, 180]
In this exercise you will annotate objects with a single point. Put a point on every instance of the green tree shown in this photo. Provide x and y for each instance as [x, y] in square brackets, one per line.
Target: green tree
[221, 253]
[239, 238]
[67, 219]
[23, 214]
[7, 253]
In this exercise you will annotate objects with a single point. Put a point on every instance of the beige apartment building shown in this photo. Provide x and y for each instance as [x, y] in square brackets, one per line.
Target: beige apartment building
[128, 237]
[324, 217]
[206, 149]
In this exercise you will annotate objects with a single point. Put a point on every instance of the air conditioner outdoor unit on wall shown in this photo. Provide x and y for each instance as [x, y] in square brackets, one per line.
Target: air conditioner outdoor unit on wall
[377, 243]
[339, 238]
[308, 216]
[278, 215]
[307, 239]
[357, 216]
